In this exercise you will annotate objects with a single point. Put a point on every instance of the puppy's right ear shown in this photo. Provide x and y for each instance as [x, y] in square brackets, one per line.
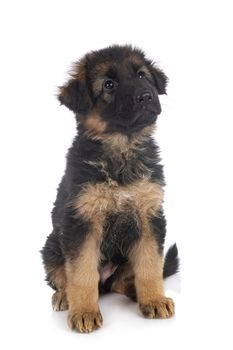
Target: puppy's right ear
[74, 95]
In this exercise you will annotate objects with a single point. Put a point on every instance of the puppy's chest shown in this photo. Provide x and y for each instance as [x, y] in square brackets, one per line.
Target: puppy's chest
[123, 168]
[120, 210]
[141, 197]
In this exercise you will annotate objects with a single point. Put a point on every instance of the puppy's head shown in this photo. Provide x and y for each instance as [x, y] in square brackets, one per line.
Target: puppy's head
[114, 90]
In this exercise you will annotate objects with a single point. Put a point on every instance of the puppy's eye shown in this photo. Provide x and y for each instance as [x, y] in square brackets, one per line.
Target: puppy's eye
[141, 74]
[109, 84]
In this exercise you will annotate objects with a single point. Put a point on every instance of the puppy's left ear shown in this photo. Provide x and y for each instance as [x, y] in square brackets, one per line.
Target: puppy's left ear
[160, 79]
[75, 96]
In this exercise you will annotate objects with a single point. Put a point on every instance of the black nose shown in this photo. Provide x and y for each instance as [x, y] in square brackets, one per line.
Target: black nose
[144, 97]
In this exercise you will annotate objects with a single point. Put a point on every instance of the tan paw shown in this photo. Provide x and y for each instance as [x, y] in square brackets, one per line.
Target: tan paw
[85, 322]
[160, 308]
[59, 301]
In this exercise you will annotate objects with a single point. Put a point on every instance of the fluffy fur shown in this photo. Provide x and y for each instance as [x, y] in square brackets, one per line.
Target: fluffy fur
[108, 221]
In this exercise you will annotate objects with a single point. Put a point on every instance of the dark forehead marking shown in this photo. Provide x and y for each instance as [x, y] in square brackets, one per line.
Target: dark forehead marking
[135, 65]
[112, 72]
[115, 69]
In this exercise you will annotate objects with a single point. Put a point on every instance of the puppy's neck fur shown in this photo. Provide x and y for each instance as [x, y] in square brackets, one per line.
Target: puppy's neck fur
[93, 127]
[122, 143]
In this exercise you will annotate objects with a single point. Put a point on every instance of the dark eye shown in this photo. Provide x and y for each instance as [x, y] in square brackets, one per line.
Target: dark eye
[109, 84]
[141, 74]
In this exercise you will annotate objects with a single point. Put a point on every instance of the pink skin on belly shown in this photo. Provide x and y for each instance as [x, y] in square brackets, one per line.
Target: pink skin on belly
[106, 271]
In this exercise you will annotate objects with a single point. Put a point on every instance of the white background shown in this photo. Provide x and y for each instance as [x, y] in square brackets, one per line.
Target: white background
[192, 42]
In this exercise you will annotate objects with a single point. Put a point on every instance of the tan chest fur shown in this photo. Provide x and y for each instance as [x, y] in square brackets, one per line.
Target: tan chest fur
[98, 200]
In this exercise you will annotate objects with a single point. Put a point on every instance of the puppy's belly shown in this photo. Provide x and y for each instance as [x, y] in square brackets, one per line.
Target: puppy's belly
[107, 270]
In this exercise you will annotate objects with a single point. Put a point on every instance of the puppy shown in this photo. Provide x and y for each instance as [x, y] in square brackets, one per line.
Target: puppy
[108, 222]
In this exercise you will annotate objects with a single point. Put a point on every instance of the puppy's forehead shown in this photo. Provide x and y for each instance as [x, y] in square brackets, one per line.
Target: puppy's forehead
[113, 67]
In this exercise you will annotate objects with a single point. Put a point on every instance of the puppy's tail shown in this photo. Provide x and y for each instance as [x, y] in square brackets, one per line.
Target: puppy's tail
[171, 262]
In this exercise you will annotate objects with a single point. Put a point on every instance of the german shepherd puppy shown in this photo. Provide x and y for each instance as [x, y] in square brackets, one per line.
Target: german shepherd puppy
[108, 222]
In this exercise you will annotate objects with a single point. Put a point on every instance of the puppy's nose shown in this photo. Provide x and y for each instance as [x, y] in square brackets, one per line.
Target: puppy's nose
[144, 97]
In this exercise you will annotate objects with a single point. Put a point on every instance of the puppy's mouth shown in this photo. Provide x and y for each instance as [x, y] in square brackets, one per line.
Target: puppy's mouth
[136, 122]
[141, 119]
[143, 116]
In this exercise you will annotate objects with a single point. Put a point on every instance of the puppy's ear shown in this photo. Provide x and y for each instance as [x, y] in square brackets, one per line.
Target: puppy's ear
[160, 79]
[74, 95]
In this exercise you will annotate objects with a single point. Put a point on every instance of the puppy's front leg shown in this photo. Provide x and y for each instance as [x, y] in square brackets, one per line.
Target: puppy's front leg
[148, 269]
[82, 287]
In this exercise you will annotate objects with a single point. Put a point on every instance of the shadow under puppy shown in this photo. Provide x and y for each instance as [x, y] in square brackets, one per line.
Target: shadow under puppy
[108, 222]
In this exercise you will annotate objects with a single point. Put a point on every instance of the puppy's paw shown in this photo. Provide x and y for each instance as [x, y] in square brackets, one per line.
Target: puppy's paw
[59, 301]
[85, 322]
[159, 308]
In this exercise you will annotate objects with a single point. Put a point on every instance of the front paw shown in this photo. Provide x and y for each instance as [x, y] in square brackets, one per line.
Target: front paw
[161, 307]
[85, 322]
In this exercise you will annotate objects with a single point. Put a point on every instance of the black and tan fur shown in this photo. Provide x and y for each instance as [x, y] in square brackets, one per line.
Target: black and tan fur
[108, 222]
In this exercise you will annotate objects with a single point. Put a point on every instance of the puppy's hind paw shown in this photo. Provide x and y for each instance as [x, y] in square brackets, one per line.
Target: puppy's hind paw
[59, 301]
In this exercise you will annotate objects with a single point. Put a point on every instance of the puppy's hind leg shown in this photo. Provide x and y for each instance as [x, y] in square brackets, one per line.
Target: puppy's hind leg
[59, 299]
[55, 271]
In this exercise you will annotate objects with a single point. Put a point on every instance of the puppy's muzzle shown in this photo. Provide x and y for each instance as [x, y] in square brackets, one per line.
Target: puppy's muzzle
[146, 100]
